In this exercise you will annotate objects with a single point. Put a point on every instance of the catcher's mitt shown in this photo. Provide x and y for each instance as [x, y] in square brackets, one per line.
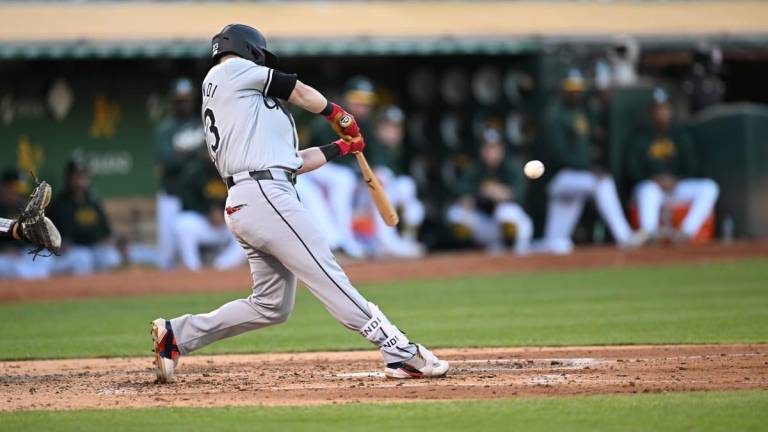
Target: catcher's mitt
[35, 227]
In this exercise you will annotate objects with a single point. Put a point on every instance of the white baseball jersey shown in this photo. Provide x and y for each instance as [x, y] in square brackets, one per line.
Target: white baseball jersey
[246, 130]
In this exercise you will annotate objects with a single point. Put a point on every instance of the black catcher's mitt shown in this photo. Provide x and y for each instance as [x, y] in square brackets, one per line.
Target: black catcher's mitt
[35, 227]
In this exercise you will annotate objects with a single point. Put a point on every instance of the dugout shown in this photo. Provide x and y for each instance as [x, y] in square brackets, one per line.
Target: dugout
[69, 83]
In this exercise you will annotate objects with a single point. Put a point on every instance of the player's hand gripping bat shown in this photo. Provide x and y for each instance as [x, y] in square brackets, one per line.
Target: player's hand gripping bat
[385, 208]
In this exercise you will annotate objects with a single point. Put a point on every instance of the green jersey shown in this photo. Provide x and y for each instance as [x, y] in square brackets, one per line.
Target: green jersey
[80, 220]
[177, 141]
[566, 136]
[379, 155]
[652, 153]
[203, 188]
[506, 174]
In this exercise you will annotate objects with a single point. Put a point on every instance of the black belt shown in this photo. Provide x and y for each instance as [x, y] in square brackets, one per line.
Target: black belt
[266, 175]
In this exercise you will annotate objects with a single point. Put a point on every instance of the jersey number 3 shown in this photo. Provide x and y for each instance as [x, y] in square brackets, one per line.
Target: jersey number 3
[213, 129]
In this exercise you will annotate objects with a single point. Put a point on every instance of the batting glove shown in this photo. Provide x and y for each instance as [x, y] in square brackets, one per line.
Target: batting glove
[339, 116]
[355, 145]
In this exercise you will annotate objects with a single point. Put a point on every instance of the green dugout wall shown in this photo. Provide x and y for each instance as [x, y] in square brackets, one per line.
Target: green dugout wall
[103, 110]
[734, 143]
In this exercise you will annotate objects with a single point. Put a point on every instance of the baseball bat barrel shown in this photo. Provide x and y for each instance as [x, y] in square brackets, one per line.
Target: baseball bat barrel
[387, 212]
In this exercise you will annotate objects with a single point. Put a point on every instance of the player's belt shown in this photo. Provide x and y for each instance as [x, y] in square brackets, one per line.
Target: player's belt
[267, 174]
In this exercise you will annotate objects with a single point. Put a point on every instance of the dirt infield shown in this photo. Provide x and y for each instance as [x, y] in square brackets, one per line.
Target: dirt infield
[148, 281]
[350, 377]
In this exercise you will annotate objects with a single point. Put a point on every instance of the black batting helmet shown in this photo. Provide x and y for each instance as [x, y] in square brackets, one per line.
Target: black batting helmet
[245, 41]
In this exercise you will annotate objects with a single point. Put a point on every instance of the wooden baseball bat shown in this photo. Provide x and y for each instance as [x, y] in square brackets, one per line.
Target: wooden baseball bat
[385, 208]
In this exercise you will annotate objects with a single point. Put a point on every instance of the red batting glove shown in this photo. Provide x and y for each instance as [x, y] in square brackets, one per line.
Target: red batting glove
[335, 118]
[334, 112]
[356, 145]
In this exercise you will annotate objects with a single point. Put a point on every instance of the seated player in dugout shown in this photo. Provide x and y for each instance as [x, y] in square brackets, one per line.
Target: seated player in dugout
[579, 172]
[490, 192]
[87, 243]
[25, 222]
[200, 223]
[178, 139]
[662, 165]
[329, 192]
[252, 140]
[386, 159]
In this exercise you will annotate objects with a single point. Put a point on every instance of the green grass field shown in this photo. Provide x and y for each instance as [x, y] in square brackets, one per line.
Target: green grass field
[714, 303]
[714, 411]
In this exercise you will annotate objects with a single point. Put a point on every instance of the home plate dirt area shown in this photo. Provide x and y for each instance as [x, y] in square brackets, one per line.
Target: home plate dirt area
[349, 377]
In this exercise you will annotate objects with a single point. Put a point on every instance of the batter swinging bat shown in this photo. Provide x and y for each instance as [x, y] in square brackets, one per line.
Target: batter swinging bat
[385, 208]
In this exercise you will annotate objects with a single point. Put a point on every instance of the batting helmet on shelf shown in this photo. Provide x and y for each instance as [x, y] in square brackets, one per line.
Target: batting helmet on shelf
[245, 41]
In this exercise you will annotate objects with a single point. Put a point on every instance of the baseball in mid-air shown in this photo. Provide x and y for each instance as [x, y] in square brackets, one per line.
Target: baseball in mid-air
[533, 169]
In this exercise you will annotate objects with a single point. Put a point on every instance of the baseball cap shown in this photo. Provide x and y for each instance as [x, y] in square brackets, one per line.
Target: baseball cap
[574, 81]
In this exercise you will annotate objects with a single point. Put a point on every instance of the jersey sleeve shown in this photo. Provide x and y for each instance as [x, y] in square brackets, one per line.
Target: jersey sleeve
[269, 82]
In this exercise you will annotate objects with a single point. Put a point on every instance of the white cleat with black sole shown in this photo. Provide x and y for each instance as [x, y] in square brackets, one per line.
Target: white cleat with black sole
[423, 365]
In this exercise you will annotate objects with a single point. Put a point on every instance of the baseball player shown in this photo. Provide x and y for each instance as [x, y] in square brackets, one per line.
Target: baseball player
[178, 138]
[88, 243]
[201, 221]
[252, 140]
[662, 164]
[32, 226]
[578, 174]
[389, 166]
[490, 193]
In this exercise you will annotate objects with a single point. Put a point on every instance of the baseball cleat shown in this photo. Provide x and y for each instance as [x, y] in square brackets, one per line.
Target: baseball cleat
[423, 365]
[166, 352]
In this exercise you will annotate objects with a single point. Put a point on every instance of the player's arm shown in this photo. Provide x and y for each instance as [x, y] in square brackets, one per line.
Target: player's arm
[307, 98]
[9, 229]
[313, 101]
[315, 157]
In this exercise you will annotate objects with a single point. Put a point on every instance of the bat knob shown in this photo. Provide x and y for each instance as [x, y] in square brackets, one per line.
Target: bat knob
[345, 121]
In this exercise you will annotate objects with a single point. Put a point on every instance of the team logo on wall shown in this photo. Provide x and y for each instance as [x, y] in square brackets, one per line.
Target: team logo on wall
[106, 114]
[20, 108]
[60, 99]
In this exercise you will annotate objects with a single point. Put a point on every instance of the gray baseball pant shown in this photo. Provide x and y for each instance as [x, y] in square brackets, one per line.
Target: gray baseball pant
[282, 243]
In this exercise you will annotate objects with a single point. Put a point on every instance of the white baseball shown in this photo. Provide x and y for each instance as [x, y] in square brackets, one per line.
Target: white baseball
[533, 169]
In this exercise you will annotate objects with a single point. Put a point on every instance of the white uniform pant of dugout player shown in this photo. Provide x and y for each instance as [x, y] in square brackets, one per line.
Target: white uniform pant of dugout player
[568, 191]
[283, 245]
[84, 260]
[329, 194]
[75, 259]
[486, 229]
[402, 193]
[193, 231]
[168, 207]
[700, 193]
